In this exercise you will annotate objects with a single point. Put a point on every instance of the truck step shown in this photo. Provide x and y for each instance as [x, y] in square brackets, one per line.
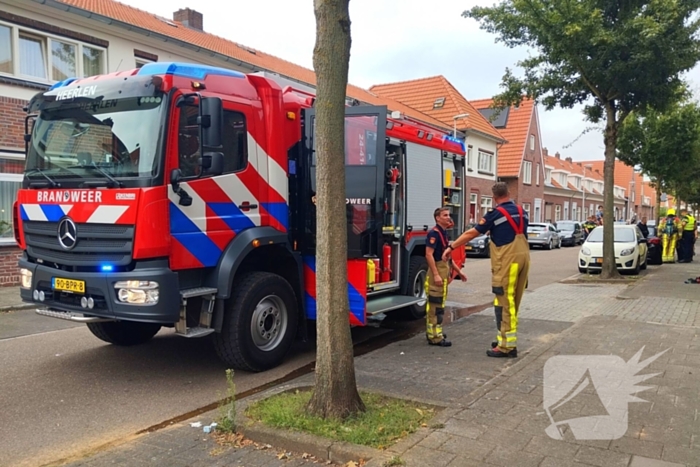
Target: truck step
[391, 302]
[197, 292]
[67, 315]
[197, 332]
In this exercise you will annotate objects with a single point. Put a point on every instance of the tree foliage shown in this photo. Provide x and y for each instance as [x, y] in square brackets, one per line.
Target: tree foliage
[613, 57]
[667, 147]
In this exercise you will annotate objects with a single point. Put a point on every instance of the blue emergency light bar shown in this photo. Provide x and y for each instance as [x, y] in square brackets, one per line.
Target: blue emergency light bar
[107, 268]
[186, 70]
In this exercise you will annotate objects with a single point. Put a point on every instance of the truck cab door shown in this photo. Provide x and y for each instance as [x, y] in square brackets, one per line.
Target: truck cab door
[365, 149]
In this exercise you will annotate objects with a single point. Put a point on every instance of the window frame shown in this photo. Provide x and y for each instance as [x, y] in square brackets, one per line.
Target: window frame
[16, 178]
[46, 41]
[532, 142]
[537, 175]
[470, 159]
[484, 205]
[527, 172]
[487, 156]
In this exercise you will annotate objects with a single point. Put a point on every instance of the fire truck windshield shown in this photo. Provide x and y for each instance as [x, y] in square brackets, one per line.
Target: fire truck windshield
[104, 139]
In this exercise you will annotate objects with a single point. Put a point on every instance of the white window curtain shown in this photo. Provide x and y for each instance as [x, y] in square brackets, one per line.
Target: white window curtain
[32, 53]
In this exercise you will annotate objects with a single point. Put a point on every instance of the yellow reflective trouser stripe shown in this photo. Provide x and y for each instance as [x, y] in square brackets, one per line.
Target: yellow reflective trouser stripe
[510, 336]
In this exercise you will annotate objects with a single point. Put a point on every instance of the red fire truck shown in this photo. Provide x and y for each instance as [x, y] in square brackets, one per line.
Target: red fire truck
[182, 196]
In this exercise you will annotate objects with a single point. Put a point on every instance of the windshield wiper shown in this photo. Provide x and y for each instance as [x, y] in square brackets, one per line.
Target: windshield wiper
[52, 182]
[100, 170]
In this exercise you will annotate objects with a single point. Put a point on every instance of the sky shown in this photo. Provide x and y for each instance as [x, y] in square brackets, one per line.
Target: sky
[395, 40]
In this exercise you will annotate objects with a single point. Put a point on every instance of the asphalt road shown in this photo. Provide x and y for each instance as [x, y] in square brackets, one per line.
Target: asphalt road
[63, 392]
[546, 266]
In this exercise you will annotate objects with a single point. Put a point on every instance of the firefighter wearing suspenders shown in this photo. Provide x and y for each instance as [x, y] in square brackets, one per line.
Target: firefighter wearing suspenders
[438, 276]
[510, 265]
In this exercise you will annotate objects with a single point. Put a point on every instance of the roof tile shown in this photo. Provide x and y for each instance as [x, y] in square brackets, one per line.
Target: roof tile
[421, 94]
[154, 23]
[515, 132]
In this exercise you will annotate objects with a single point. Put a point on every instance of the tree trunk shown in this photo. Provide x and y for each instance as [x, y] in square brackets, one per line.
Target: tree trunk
[335, 393]
[609, 269]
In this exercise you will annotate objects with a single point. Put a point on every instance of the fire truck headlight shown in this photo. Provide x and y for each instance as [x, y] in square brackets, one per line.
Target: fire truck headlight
[26, 278]
[137, 292]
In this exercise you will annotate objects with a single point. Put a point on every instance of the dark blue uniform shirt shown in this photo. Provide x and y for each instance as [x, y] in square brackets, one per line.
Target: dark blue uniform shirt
[502, 232]
[437, 242]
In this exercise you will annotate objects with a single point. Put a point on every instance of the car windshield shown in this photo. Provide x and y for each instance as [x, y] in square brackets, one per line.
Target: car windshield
[566, 225]
[652, 231]
[119, 137]
[624, 235]
[536, 228]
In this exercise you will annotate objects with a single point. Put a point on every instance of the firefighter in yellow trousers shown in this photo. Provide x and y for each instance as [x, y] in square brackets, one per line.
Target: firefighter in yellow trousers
[670, 228]
[437, 243]
[510, 265]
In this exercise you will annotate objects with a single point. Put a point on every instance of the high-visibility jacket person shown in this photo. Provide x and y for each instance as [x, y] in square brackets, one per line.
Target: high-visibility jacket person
[510, 266]
[670, 228]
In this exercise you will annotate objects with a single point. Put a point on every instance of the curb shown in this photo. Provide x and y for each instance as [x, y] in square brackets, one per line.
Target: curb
[22, 306]
[338, 452]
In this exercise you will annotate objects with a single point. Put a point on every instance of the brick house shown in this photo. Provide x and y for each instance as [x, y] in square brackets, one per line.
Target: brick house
[48, 41]
[574, 190]
[437, 97]
[520, 162]
[640, 196]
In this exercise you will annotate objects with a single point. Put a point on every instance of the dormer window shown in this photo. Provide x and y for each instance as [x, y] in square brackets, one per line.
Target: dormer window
[439, 103]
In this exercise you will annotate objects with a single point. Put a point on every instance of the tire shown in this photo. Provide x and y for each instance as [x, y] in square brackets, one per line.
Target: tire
[550, 246]
[646, 261]
[417, 273]
[124, 333]
[260, 323]
[637, 268]
[487, 252]
[559, 244]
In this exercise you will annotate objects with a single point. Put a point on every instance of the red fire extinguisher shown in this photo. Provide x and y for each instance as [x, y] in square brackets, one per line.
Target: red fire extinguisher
[386, 259]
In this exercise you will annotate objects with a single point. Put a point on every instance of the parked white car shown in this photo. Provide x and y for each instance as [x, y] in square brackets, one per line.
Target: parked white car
[630, 250]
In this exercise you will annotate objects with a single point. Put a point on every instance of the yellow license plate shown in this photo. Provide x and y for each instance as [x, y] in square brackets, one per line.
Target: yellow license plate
[599, 260]
[467, 247]
[68, 285]
[533, 234]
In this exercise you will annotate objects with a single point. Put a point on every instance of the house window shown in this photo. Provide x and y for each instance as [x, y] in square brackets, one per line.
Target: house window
[473, 212]
[589, 185]
[470, 159]
[10, 182]
[439, 103]
[5, 49]
[562, 180]
[486, 204]
[47, 58]
[526, 208]
[537, 175]
[547, 176]
[532, 142]
[141, 62]
[485, 162]
[527, 172]
[557, 213]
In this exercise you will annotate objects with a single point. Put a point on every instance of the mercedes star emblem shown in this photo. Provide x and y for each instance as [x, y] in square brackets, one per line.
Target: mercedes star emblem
[67, 233]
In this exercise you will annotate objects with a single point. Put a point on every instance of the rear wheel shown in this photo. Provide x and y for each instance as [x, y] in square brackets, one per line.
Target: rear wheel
[417, 275]
[124, 333]
[260, 323]
[550, 245]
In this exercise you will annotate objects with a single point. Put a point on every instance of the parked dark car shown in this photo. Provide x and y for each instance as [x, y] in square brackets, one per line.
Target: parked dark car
[478, 246]
[571, 232]
[654, 243]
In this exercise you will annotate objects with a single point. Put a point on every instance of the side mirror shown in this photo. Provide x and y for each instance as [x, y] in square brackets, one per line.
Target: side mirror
[211, 121]
[175, 177]
[213, 163]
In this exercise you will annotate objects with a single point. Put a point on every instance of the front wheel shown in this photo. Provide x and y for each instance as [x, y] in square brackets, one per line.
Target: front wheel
[124, 333]
[260, 323]
[417, 275]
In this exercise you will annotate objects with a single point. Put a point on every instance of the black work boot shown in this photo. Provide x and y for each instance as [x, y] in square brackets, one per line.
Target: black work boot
[496, 353]
[442, 343]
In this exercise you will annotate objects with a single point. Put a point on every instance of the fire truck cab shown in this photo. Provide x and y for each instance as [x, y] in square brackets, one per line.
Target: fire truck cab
[183, 196]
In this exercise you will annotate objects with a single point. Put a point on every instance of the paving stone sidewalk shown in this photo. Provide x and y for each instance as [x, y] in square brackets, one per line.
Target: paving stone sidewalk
[495, 414]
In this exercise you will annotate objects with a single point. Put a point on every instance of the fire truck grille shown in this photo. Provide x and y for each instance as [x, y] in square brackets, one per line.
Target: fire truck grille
[96, 243]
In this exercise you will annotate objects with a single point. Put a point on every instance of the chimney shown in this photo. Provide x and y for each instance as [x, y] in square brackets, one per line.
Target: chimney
[557, 155]
[545, 152]
[190, 18]
[570, 160]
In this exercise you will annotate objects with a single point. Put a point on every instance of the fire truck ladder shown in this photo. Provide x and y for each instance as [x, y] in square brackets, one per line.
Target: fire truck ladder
[204, 328]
